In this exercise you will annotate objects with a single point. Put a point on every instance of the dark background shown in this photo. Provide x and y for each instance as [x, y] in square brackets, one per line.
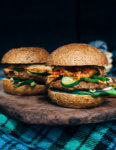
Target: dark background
[52, 23]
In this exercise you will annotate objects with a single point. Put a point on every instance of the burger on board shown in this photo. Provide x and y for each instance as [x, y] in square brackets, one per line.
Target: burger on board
[77, 79]
[26, 71]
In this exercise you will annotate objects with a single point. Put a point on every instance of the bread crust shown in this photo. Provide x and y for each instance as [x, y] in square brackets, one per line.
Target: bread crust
[113, 96]
[77, 54]
[25, 55]
[74, 101]
[22, 90]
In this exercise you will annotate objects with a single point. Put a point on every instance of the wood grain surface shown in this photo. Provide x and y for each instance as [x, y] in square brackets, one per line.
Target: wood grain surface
[39, 110]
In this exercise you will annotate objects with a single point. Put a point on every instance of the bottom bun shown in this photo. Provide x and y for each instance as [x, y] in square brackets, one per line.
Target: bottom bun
[113, 96]
[22, 90]
[74, 101]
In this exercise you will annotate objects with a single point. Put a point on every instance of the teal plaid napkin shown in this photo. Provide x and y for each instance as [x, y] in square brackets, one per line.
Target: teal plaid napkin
[15, 135]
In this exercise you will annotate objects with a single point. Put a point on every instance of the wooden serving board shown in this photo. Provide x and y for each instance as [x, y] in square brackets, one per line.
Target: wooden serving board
[39, 110]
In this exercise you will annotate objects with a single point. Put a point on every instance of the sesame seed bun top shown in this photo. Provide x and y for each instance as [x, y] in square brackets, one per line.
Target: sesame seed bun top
[25, 55]
[77, 54]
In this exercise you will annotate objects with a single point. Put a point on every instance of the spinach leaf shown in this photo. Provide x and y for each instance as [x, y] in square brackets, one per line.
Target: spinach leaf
[100, 78]
[24, 82]
[19, 69]
[16, 80]
[111, 92]
[94, 94]
[91, 80]
[20, 84]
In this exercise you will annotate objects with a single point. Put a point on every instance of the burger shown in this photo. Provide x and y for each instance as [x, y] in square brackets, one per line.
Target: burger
[77, 79]
[25, 71]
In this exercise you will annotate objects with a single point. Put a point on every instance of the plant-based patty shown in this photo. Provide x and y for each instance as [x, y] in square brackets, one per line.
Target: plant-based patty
[28, 72]
[80, 86]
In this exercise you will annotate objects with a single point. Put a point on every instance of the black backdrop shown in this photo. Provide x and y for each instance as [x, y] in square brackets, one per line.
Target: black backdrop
[52, 23]
[44, 23]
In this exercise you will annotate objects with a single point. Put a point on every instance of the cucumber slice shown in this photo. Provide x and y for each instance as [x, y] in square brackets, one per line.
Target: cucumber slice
[40, 73]
[69, 81]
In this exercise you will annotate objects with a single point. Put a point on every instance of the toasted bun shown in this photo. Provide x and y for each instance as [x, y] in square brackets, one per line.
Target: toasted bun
[25, 55]
[77, 55]
[22, 90]
[74, 101]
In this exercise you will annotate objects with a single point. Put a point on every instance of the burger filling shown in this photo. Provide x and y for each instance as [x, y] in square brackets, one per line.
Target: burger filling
[27, 74]
[84, 80]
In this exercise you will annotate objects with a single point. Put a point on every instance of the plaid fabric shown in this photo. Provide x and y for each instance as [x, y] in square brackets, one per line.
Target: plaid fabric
[15, 135]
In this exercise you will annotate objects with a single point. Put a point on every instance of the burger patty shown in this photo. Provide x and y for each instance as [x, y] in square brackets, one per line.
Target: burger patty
[24, 75]
[83, 85]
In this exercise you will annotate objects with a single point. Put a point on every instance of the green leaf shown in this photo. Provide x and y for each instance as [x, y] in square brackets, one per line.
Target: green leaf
[80, 92]
[94, 94]
[111, 92]
[20, 84]
[100, 78]
[19, 69]
[98, 93]
[111, 85]
[16, 80]
[28, 81]
[91, 80]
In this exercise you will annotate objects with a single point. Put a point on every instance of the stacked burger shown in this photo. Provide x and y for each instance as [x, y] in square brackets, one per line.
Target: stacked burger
[26, 71]
[77, 79]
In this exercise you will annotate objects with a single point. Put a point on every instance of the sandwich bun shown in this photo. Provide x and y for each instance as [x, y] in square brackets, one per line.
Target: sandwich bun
[25, 55]
[74, 101]
[24, 89]
[77, 55]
